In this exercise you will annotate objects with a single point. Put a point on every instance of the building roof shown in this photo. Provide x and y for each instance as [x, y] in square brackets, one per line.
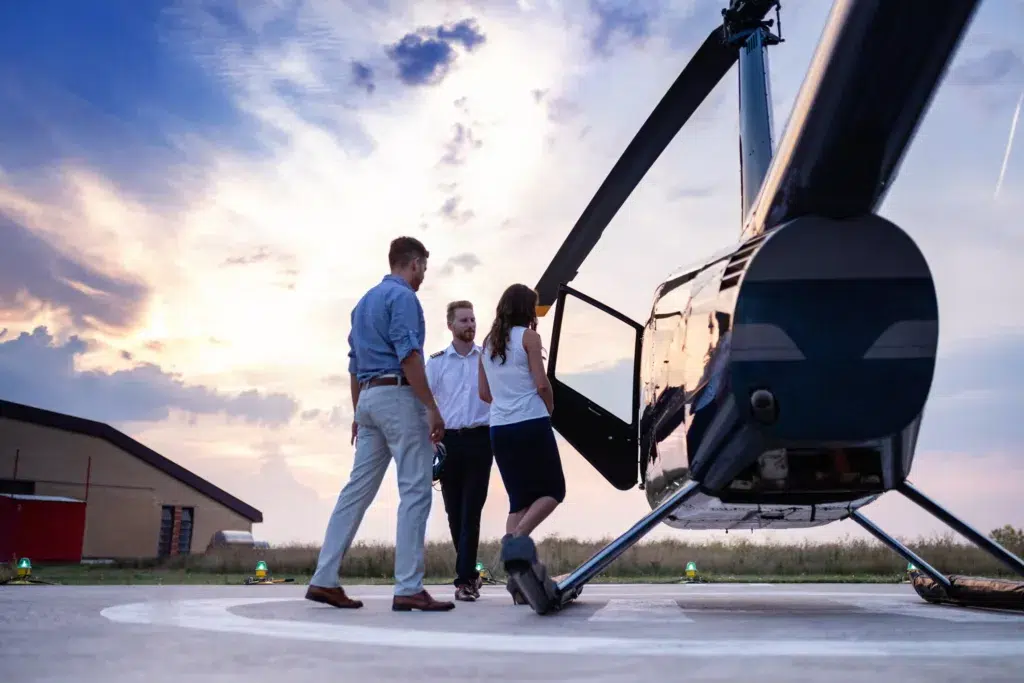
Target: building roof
[77, 425]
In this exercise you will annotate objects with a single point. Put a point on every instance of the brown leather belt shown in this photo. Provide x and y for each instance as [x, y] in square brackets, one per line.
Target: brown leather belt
[386, 381]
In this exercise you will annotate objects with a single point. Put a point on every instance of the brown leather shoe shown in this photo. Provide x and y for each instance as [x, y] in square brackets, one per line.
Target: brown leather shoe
[335, 597]
[421, 601]
[465, 593]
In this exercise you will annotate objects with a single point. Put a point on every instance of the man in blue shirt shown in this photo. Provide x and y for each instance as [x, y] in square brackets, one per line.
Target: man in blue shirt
[395, 416]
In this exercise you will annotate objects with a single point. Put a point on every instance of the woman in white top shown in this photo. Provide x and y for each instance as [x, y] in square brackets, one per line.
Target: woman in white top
[514, 383]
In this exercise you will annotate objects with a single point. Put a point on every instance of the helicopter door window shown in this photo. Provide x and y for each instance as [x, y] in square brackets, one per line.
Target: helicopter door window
[596, 354]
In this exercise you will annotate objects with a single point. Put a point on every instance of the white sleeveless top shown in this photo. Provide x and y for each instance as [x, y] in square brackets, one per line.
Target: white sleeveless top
[514, 396]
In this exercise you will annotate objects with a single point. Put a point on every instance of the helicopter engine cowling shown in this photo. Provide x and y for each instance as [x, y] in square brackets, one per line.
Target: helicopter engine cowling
[816, 369]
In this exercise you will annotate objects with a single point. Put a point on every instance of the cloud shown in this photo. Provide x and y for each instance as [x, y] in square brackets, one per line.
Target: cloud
[608, 384]
[975, 400]
[692, 192]
[450, 211]
[124, 88]
[35, 371]
[616, 18]
[362, 76]
[999, 65]
[425, 56]
[259, 256]
[466, 261]
[33, 270]
[462, 141]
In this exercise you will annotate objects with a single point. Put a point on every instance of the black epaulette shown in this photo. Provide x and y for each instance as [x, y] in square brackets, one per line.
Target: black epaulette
[439, 353]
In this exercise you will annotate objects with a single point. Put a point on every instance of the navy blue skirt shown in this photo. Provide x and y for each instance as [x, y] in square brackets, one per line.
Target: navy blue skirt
[527, 458]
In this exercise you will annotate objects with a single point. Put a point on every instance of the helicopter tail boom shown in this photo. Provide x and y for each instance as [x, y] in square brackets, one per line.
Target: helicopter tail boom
[868, 86]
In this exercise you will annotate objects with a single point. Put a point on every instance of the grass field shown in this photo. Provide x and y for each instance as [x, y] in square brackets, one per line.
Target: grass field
[740, 560]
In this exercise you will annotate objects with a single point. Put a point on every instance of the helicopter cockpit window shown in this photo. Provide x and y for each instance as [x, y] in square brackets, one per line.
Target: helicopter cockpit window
[667, 335]
[657, 342]
[701, 323]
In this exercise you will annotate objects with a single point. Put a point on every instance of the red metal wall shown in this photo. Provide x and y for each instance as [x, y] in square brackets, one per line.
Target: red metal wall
[40, 529]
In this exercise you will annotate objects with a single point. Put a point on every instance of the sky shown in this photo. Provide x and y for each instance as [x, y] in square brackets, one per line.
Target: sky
[194, 194]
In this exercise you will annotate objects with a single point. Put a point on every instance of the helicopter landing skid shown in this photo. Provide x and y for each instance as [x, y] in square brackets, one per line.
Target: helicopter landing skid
[937, 588]
[544, 594]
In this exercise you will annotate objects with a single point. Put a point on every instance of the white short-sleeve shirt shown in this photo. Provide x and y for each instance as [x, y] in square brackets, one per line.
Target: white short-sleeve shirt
[513, 390]
[454, 381]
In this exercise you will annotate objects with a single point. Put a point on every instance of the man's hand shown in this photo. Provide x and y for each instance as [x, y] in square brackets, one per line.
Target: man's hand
[355, 428]
[436, 423]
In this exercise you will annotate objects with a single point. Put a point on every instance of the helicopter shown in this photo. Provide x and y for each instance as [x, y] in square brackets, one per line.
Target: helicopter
[782, 382]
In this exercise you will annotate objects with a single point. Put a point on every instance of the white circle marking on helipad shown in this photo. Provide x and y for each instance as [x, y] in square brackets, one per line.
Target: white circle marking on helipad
[215, 615]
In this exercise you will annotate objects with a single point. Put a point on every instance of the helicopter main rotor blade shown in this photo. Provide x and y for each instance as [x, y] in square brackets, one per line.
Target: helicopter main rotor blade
[699, 77]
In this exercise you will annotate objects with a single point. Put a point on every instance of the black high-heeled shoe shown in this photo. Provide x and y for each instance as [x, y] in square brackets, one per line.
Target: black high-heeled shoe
[517, 595]
[519, 556]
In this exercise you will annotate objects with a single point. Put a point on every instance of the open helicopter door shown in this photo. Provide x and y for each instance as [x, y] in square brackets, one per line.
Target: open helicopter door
[607, 440]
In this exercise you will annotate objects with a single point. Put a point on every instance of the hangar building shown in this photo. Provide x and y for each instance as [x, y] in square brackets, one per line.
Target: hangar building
[75, 489]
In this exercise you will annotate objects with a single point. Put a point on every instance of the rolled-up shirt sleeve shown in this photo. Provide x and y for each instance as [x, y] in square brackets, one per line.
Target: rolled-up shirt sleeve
[353, 368]
[404, 323]
[431, 371]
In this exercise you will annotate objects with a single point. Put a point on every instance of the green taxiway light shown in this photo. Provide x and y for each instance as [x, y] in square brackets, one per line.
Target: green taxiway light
[24, 566]
[261, 569]
[910, 567]
[691, 570]
[479, 566]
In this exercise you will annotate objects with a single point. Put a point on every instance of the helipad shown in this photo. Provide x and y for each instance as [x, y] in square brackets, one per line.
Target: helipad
[614, 632]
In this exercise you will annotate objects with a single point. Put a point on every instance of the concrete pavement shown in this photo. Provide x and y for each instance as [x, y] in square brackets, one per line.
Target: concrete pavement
[700, 632]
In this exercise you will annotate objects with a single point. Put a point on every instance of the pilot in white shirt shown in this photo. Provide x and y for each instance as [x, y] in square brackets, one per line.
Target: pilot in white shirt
[452, 374]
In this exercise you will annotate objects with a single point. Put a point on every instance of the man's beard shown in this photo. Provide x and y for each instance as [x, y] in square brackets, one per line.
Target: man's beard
[467, 335]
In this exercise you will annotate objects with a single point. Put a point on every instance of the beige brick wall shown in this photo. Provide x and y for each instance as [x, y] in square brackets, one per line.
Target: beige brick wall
[125, 494]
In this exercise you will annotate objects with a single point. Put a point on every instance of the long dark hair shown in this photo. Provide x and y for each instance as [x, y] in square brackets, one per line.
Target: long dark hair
[517, 307]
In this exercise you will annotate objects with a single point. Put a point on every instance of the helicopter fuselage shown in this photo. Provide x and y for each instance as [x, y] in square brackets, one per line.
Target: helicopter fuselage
[783, 382]
[789, 376]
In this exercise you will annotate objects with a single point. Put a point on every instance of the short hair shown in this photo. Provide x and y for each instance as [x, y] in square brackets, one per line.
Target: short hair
[453, 306]
[404, 250]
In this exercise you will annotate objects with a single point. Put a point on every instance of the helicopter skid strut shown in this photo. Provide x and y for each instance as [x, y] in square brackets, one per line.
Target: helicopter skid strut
[546, 595]
[938, 588]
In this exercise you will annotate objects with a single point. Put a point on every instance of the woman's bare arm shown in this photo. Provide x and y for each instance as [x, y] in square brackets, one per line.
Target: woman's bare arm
[532, 345]
[483, 388]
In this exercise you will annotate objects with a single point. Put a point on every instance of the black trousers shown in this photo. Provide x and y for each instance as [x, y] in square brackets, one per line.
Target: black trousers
[464, 480]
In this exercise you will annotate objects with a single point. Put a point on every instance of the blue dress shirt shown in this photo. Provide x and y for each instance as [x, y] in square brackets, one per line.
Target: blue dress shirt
[387, 325]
